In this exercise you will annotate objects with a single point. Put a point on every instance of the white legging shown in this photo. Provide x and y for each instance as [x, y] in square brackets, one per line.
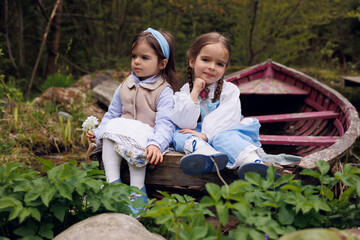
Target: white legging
[112, 163]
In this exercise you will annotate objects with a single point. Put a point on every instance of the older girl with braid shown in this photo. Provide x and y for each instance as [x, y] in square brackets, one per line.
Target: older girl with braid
[208, 112]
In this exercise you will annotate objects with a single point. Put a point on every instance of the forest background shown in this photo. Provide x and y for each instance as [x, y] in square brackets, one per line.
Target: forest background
[87, 36]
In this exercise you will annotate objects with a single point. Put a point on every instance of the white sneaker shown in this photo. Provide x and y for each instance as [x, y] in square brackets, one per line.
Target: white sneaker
[198, 159]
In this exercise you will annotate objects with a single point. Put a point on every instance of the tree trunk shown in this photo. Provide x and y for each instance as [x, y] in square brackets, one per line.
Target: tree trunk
[252, 27]
[121, 15]
[8, 43]
[21, 39]
[54, 42]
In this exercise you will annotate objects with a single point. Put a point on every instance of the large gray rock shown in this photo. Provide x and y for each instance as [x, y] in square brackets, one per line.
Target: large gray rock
[109, 226]
[104, 91]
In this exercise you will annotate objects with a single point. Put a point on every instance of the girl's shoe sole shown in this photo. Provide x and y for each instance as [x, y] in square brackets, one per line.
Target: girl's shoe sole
[198, 164]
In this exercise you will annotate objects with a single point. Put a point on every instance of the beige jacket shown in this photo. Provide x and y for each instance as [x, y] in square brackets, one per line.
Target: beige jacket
[139, 101]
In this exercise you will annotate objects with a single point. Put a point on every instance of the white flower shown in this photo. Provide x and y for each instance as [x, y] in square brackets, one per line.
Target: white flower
[90, 123]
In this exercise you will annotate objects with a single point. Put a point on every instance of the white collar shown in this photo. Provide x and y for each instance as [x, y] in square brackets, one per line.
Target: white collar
[150, 83]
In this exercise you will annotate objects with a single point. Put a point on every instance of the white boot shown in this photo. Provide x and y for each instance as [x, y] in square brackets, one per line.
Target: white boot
[253, 157]
[198, 146]
[253, 163]
[199, 157]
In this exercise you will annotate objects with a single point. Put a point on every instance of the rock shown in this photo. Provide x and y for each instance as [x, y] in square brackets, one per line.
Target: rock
[104, 91]
[84, 83]
[64, 115]
[100, 79]
[110, 226]
[65, 97]
[318, 233]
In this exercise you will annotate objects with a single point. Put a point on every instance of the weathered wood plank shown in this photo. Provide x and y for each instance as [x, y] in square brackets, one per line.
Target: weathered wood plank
[296, 116]
[298, 140]
[169, 175]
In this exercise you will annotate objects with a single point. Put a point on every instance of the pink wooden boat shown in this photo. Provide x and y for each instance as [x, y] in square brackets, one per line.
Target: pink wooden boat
[298, 114]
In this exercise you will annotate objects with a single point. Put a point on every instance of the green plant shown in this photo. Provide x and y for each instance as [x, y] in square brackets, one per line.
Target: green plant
[264, 207]
[66, 131]
[36, 206]
[181, 218]
[57, 80]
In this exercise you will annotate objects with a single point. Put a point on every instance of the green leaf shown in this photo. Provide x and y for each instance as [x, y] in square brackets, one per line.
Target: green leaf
[253, 178]
[328, 194]
[310, 172]
[45, 230]
[208, 201]
[223, 213]
[243, 209]
[165, 194]
[285, 216]
[270, 173]
[23, 214]
[284, 179]
[47, 164]
[292, 188]
[59, 211]
[323, 166]
[25, 231]
[199, 232]
[255, 234]
[214, 191]
[319, 203]
[179, 198]
[65, 190]
[348, 193]
[358, 190]
[31, 195]
[9, 202]
[94, 203]
[163, 218]
[95, 185]
[47, 195]
[237, 185]
[35, 213]
[15, 211]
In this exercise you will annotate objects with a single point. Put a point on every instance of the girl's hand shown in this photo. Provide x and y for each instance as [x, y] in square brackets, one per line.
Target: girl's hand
[196, 133]
[90, 134]
[154, 153]
[199, 85]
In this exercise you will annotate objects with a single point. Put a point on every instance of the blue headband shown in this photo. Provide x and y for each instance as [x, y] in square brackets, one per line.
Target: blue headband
[161, 40]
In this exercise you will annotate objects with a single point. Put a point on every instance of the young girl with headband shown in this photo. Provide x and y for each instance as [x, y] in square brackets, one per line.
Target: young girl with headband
[137, 126]
[208, 112]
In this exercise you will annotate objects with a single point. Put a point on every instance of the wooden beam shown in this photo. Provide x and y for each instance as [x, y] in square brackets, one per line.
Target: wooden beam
[298, 140]
[296, 116]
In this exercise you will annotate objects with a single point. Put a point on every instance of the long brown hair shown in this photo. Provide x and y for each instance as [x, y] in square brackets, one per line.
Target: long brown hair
[194, 50]
[169, 72]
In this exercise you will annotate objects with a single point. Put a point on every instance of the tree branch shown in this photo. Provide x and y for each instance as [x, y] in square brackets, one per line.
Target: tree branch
[42, 46]
[73, 64]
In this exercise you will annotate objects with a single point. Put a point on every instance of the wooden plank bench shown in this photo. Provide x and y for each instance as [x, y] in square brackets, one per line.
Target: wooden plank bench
[296, 116]
[298, 140]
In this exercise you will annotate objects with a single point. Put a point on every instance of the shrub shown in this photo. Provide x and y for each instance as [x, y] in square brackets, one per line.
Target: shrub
[36, 206]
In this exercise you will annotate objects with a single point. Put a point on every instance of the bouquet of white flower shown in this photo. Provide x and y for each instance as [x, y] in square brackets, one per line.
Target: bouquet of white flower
[90, 123]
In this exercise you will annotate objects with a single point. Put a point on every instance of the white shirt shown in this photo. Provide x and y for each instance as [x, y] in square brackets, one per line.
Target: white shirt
[227, 115]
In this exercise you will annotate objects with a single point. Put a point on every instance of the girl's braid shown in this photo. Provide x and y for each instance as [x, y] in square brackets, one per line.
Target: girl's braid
[218, 89]
[190, 78]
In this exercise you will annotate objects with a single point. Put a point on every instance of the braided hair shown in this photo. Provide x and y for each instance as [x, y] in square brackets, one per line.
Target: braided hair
[194, 50]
